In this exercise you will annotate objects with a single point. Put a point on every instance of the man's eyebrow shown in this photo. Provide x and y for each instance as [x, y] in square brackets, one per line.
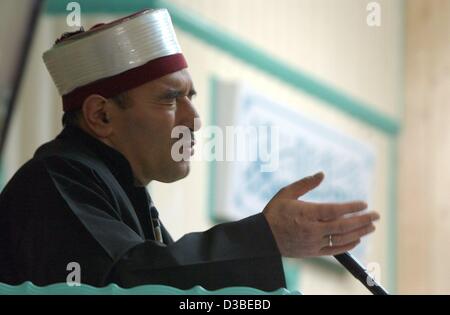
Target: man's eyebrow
[171, 93]
[174, 93]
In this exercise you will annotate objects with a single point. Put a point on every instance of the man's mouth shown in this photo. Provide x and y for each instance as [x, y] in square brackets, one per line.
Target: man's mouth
[188, 146]
[185, 146]
[191, 148]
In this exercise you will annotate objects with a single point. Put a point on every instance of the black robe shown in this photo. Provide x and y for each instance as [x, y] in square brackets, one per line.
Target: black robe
[75, 201]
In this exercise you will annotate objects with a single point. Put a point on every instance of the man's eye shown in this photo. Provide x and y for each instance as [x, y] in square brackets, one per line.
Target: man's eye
[172, 102]
[192, 95]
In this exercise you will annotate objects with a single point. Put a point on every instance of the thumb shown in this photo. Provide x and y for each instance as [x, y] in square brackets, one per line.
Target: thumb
[302, 186]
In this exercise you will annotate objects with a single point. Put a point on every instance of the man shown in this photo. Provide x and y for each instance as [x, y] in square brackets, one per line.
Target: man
[82, 197]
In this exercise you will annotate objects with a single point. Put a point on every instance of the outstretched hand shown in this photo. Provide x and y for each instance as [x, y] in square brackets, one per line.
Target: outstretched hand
[303, 229]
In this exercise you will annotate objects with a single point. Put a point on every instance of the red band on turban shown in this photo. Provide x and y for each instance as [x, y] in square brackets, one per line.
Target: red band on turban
[112, 86]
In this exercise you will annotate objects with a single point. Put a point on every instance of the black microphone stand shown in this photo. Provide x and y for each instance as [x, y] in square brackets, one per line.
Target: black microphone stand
[359, 272]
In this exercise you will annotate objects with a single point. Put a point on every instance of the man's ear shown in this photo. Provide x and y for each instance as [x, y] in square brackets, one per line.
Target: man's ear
[96, 114]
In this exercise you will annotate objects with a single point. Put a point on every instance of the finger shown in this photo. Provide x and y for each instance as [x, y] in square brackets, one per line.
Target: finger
[301, 187]
[346, 225]
[335, 250]
[332, 211]
[351, 237]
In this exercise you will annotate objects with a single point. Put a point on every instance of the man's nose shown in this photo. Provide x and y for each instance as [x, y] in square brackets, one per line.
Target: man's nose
[191, 118]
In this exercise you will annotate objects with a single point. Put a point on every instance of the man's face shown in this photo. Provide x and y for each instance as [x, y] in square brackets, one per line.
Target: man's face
[142, 131]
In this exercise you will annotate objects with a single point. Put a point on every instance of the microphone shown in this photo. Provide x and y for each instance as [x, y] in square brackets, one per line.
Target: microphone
[359, 272]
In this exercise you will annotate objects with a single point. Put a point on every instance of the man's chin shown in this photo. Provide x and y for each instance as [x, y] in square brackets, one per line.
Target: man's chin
[178, 172]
